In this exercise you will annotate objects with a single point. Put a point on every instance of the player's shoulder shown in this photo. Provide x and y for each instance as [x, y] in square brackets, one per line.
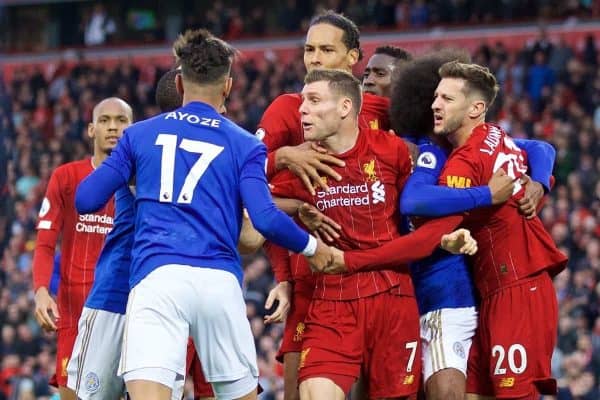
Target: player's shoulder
[74, 167]
[384, 139]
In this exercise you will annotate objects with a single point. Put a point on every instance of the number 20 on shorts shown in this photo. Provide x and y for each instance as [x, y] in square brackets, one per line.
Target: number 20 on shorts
[510, 356]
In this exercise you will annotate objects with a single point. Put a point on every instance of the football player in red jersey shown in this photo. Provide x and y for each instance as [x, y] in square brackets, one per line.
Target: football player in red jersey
[82, 237]
[511, 353]
[333, 42]
[342, 339]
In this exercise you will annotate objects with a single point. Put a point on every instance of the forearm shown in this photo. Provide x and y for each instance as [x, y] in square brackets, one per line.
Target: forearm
[403, 250]
[43, 258]
[420, 198]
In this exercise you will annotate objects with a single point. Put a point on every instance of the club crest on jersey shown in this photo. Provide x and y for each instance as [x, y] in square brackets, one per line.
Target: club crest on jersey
[92, 383]
[299, 331]
[374, 124]
[323, 180]
[427, 160]
[369, 169]
[260, 133]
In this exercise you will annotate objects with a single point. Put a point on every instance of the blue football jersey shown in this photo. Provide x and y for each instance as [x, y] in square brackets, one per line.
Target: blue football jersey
[195, 171]
[111, 278]
[441, 280]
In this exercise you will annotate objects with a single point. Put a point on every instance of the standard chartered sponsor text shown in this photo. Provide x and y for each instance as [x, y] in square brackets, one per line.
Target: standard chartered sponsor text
[94, 223]
[326, 201]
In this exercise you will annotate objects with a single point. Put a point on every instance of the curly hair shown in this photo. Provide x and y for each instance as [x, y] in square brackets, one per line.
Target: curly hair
[351, 38]
[167, 98]
[413, 87]
[204, 58]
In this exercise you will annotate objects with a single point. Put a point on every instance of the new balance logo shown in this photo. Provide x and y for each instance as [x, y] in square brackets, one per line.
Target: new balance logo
[378, 192]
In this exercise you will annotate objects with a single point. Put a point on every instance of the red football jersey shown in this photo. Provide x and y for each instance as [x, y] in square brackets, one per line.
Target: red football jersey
[511, 247]
[82, 240]
[365, 204]
[280, 124]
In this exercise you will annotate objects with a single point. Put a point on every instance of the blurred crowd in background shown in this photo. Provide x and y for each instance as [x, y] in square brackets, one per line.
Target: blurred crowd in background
[56, 24]
[549, 91]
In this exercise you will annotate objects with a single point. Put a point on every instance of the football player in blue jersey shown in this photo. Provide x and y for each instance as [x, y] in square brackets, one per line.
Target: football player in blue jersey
[195, 171]
[445, 292]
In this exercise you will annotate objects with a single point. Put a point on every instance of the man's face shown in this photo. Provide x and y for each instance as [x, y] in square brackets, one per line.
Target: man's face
[320, 111]
[324, 49]
[112, 117]
[377, 78]
[450, 106]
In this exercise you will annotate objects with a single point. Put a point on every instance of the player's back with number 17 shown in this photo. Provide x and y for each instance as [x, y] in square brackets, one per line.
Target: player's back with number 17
[195, 171]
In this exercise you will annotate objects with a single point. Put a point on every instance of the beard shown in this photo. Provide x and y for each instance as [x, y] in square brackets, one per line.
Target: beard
[451, 126]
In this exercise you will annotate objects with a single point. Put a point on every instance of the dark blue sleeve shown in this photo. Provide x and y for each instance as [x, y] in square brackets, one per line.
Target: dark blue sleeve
[98, 187]
[541, 156]
[272, 223]
[423, 197]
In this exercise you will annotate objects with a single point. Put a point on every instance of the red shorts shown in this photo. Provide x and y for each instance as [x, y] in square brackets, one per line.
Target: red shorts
[511, 351]
[65, 340]
[291, 341]
[378, 335]
[194, 368]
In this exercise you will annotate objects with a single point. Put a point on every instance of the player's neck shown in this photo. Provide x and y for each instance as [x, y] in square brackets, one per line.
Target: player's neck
[213, 100]
[461, 135]
[343, 140]
[98, 158]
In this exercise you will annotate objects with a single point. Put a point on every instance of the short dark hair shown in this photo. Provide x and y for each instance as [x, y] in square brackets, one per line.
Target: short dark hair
[476, 77]
[204, 58]
[167, 97]
[340, 82]
[413, 88]
[351, 37]
[394, 51]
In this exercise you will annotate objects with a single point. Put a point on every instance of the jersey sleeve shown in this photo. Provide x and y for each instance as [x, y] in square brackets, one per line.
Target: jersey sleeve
[50, 224]
[98, 187]
[541, 157]
[280, 261]
[272, 223]
[423, 197]
[403, 250]
[274, 129]
[463, 170]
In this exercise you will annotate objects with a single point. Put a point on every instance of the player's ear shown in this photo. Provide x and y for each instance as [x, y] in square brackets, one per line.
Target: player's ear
[228, 86]
[477, 108]
[345, 106]
[352, 57]
[179, 84]
[90, 130]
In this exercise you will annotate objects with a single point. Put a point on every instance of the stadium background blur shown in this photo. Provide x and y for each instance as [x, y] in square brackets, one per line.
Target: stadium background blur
[58, 59]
